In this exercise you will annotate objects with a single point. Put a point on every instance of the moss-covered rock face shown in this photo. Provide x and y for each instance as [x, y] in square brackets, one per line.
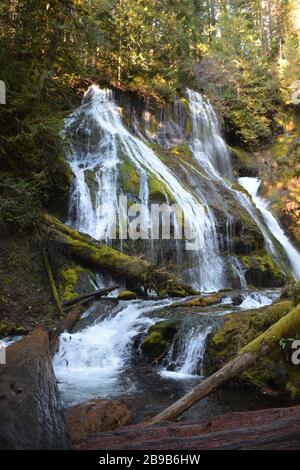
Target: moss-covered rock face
[292, 292]
[73, 281]
[261, 270]
[129, 180]
[127, 295]
[274, 371]
[159, 339]
[244, 163]
[91, 181]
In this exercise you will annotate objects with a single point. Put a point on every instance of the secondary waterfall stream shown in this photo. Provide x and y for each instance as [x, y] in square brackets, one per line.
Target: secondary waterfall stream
[99, 359]
[252, 186]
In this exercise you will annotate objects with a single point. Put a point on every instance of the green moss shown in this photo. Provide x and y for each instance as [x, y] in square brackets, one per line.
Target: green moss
[127, 295]
[158, 191]
[182, 151]
[187, 126]
[159, 338]
[261, 270]
[244, 163]
[129, 180]
[71, 281]
[240, 332]
[205, 301]
[92, 184]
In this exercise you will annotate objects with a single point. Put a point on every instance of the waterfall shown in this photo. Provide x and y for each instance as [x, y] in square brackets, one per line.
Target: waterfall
[211, 152]
[185, 359]
[99, 122]
[91, 360]
[207, 144]
[252, 186]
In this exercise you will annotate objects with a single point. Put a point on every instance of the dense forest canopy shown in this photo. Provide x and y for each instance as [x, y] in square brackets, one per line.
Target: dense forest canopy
[245, 55]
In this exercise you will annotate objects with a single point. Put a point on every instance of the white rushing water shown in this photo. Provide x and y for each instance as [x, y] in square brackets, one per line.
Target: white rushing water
[108, 141]
[212, 153]
[207, 145]
[254, 300]
[188, 360]
[89, 362]
[252, 186]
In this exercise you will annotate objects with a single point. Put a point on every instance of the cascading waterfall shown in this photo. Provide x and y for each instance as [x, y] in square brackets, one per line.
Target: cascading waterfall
[92, 360]
[207, 144]
[102, 156]
[212, 154]
[185, 358]
[252, 186]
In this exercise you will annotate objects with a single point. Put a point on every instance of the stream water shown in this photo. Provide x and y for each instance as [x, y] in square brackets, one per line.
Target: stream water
[101, 359]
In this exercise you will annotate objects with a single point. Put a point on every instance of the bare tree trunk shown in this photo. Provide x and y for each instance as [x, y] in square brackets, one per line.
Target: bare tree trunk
[249, 354]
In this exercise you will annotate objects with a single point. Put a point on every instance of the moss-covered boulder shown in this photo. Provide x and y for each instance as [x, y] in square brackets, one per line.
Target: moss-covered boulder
[159, 339]
[74, 280]
[127, 295]
[261, 270]
[274, 371]
[211, 299]
[292, 292]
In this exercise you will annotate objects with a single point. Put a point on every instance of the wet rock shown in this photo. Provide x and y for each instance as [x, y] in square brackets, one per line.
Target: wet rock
[262, 271]
[127, 295]
[96, 312]
[206, 301]
[159, 338]
[95, 416]
[30, 410]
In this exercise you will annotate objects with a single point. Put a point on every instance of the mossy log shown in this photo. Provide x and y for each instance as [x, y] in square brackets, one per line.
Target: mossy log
[52, 282]
[100, 256]
[248, 355]
[86, 298]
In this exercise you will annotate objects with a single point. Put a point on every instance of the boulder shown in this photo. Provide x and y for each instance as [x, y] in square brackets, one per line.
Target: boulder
[30, 410]
[127, 295]
[95, 416]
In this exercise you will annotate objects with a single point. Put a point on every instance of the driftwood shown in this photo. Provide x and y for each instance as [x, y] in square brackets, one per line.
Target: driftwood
[248, 355]
[83, 299]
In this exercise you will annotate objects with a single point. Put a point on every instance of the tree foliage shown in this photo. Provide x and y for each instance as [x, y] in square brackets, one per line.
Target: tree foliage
[244, 54]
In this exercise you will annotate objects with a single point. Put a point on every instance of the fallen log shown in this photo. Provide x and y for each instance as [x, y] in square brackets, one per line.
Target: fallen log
[85, 250]
[31, 416]
[88, 297]
[275, 428]
[52, 282]
[287, 326]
